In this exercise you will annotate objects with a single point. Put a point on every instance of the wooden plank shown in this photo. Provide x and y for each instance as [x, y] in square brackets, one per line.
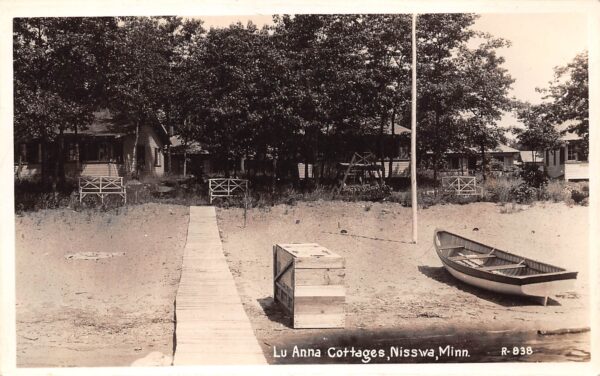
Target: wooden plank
[212, 326]
[319, 305]
[502, 267]
[320, 263]
[306, 321]
[452, 247]
[308, 277]
[327, 291]
[470, 257]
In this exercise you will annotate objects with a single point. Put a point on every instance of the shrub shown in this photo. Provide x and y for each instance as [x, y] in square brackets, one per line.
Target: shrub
[555, 191]
[500, 189]
[578, 196]
[365, 192]
[523, 193]
[533, 176]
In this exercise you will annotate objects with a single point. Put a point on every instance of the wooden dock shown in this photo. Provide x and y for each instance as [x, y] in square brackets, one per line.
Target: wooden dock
[211, 325]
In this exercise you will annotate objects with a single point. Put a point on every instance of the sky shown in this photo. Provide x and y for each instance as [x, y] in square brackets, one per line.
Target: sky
[540, 42]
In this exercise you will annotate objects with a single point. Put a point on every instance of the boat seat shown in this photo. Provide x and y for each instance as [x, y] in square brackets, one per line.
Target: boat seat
[470, 257]
[452, 247]
[502, 267]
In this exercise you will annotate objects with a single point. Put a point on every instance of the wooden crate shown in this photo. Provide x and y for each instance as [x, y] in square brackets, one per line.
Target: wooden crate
[308, 281]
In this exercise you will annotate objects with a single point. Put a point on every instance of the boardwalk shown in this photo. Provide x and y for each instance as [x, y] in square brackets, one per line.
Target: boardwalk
[212, 326]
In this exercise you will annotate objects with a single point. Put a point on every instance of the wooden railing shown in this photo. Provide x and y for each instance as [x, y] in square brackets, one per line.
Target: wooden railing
[226, 187]
[101, 186]
[460, 185]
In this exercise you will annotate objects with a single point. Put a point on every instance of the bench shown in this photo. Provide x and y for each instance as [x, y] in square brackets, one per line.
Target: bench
[226, 187]
[470, 257]
[461, 185]
[503, 267]
[102, 186]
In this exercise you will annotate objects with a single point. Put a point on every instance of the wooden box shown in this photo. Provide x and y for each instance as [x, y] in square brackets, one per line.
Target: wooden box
[308, 281]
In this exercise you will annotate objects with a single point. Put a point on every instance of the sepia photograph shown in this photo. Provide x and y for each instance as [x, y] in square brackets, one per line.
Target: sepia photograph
[305, 188]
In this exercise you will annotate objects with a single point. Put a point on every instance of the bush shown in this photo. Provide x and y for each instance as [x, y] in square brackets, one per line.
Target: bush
[500, 189]
[533, 176]
[555, 191]
[523, 193]
[578, 196]
[365, 192]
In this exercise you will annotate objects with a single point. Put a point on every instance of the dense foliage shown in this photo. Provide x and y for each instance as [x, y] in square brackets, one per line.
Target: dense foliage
[280, 93]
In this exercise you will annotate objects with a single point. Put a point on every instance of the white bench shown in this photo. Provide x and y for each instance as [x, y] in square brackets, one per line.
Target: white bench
[102, 186]
[226, 187]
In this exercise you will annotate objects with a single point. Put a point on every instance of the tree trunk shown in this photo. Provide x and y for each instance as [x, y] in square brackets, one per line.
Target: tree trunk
[134, 166]
[61, 158]
[435, 168]
[184, 158]
[43, 152]
[169, 165]
[274, 179]
[381, 153]
[391, 165]
[77, 151]
[483, 161]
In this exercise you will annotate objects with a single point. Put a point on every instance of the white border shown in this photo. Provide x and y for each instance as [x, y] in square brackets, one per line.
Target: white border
[36, 8]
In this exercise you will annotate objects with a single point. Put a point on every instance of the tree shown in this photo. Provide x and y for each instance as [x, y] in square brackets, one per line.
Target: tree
[539, 133]
[569, 97]
[439, 84]
[139, 73]
[485, 85]
[59, 79]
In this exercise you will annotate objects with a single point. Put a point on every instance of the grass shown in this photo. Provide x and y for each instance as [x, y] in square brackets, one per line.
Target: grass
[29, 197]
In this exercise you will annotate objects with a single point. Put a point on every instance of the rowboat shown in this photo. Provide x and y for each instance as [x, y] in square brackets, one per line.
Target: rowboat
[492, 269]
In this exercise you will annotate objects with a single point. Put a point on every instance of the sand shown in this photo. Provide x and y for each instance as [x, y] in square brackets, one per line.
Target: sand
[392, 284]
[97, 288]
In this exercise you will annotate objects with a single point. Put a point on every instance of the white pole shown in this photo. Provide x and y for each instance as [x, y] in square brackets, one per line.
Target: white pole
[413, 132]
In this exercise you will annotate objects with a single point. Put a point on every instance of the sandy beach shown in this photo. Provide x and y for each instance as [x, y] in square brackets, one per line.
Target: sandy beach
[97, 288]
[392, 284]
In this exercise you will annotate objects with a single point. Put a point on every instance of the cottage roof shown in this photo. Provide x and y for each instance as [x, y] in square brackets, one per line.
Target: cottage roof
[105, 124]
[566, 135]
[373, 127]
[500, 149]
[527, 157]
[193, 147]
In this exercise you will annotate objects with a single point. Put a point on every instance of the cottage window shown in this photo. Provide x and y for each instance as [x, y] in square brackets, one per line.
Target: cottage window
[157, 155]
[72, 152]
[572, 154]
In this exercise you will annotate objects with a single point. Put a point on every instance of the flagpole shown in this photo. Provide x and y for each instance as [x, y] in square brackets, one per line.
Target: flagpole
[413, 132]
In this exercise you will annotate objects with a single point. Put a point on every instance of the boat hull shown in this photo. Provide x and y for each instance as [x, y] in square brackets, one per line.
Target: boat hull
[538, 290]
[500, 271]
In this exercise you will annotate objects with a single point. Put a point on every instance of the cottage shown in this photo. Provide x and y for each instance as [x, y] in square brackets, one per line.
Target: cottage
[103, 149]
[501, 158]
[527, 157]
[569, 161]
[189, 158]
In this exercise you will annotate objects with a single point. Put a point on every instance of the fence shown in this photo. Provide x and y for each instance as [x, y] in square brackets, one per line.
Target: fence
[460, 185]
[101, 186]
[225, 187]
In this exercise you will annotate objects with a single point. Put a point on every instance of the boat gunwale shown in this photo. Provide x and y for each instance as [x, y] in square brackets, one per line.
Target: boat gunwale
[503, 278]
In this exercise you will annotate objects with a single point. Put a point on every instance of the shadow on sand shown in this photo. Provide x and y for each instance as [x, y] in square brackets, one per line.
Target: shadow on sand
[440, 274]
[274, 311]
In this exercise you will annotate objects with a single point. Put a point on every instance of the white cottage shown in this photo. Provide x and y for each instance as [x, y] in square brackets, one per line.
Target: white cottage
[102, 149]
[569, 161]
